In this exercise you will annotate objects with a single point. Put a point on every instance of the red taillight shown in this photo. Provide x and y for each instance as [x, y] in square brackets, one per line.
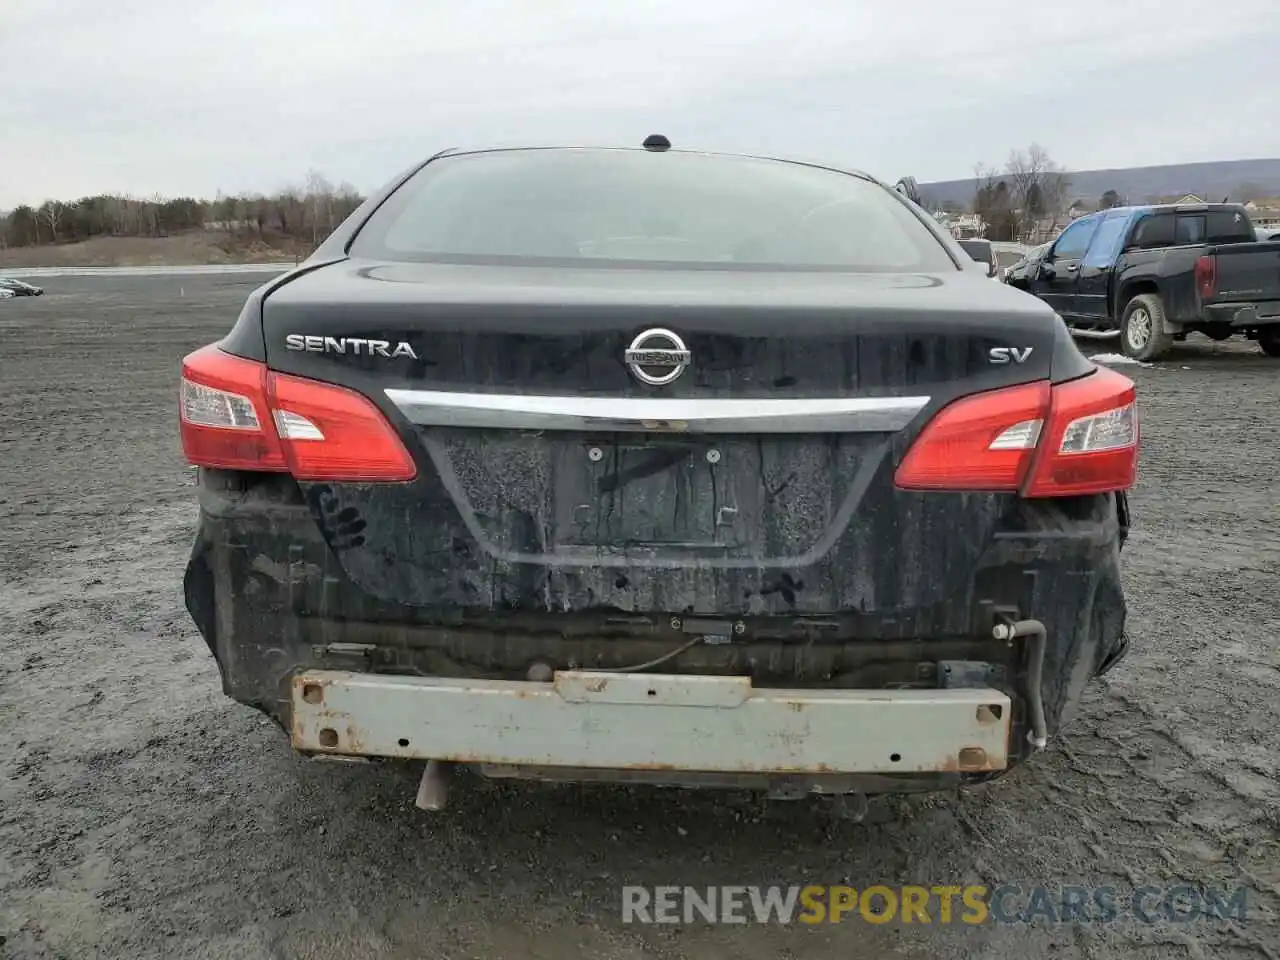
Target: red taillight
[1091, 444]
[224, 415]
[1077, 438]
[331, 433]
[235, 414]
[1207, 276]
[983, 442]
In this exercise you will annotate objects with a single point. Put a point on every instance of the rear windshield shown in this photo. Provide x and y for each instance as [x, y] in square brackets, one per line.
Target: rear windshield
[1192, 227]
[1215, 226]
[621, 206]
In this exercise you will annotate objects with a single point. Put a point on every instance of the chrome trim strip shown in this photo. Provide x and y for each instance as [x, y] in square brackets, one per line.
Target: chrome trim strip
[432, 408]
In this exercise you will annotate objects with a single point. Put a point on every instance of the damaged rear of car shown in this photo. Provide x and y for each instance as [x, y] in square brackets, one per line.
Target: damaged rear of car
[656, 465]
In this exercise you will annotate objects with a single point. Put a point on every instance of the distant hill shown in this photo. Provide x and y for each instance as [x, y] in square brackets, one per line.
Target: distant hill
[1210, 181]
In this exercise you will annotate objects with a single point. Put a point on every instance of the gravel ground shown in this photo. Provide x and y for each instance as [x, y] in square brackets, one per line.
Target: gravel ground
[142, 814]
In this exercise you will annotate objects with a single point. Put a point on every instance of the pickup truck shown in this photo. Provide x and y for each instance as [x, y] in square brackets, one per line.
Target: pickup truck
[1151, 275]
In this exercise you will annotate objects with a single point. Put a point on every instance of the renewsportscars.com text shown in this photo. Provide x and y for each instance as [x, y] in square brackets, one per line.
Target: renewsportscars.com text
[973, 905]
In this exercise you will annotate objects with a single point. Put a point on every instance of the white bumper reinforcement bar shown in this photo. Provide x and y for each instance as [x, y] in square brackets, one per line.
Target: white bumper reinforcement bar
[629, 721]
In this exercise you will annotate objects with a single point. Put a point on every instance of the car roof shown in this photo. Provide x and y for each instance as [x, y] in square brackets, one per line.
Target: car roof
[1170, 208]
[589, 148]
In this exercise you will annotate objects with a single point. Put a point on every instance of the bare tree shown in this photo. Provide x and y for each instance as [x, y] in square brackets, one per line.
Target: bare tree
[289, 209]
[52, 213]
[261, 207]
[294, 216]
[1038, 184]
[155, 221]
[984, 179]
[320, 194]
[993, 202]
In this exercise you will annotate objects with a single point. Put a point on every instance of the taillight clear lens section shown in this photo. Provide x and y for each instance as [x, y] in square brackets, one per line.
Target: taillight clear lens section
[1077, 438]
[237, 416]
[1092, 442]
[222, 413]
[294, 426]
[1021, 436]
[208, 407]
[1102, 431]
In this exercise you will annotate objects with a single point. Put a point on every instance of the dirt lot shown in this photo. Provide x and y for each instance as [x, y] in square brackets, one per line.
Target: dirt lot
[142, 814]
[196, 247]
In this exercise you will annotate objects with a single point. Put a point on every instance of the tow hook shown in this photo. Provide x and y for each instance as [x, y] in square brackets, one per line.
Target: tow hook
[1034, 632]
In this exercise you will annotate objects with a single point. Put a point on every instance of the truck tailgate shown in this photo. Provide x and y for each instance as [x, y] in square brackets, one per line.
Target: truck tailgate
[1245, 272]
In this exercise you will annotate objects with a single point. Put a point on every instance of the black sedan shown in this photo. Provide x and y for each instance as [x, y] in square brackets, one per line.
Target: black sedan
[656, 464]
[18, 288]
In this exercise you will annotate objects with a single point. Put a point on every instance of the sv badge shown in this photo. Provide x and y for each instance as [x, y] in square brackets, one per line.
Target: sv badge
[1009, 354]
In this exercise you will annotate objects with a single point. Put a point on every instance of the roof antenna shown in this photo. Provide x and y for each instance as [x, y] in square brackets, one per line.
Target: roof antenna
[657, 143]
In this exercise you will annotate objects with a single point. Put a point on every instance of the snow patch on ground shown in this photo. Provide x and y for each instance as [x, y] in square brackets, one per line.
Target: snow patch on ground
[1116, 359]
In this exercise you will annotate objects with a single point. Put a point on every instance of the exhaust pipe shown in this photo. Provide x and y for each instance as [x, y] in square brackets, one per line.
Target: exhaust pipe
[433, 789]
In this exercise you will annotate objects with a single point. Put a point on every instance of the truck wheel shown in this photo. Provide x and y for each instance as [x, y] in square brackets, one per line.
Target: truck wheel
[1142, 333]
[1269, 341]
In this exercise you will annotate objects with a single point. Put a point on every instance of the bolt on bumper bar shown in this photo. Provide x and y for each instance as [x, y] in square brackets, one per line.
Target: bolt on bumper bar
[664, 722]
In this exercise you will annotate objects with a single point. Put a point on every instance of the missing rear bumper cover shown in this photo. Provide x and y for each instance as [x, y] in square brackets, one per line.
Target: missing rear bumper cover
[653, 722]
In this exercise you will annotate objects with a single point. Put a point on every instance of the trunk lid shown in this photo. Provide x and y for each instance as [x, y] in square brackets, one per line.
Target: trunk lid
[552, 477]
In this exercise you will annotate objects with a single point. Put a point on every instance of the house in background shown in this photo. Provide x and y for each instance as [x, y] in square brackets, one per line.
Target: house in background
[1264, 213]
[1174, 198]
[1043, 230]
[963, 226]
[967, 226]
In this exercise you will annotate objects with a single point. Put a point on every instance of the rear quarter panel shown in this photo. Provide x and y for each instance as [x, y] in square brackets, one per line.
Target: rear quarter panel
[1169, 272]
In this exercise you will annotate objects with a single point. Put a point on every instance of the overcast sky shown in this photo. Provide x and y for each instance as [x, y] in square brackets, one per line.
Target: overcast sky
[189, 96]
